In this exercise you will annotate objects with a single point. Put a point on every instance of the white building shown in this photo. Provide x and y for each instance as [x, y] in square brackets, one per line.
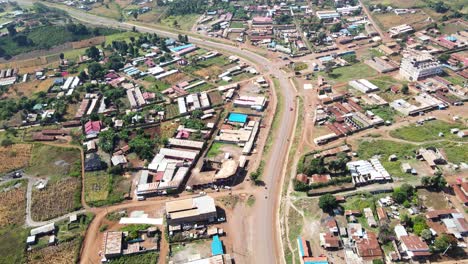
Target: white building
[415, 67]
[327, 14]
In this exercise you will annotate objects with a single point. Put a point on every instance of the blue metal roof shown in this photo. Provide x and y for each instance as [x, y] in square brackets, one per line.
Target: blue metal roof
[216, 246]
[237, 118]
[301, 248]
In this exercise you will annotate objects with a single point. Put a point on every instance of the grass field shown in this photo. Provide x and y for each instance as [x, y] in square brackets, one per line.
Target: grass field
[147, 258]
[103, 189]
[427, 132]
[52, 161]
[172, 111]
[455, 79]
[184, 22]
[58, 198]
[61, 253]
[215, 150]
[385, 148]
[390, 19]
[14, 157]
[97, 186]
[120, 37]
[12, 208]
[385, 112]
[13, 244]
[356, 71]
[385, 82]
[455, 152]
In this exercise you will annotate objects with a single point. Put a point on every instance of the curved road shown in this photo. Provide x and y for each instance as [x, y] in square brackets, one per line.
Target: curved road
[266, 239]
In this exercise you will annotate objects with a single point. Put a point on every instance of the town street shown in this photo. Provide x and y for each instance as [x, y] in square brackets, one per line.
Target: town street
[266, 237]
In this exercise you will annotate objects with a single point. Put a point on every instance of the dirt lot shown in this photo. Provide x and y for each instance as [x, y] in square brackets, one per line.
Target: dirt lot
[182, 253]
[29, 88]
[14, 157]
[433, 200]
[12, 208]
[64, 253]
[51, 161]
[416, 20]
[56, 199]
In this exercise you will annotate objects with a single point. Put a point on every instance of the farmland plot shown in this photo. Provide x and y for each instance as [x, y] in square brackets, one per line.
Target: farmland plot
[13, 205]
[52, 161]
[96, 187]
[14, 157]
[56, 199]
[63, 253]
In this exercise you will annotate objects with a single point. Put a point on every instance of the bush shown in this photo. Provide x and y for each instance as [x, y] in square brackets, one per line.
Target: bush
[327, 202]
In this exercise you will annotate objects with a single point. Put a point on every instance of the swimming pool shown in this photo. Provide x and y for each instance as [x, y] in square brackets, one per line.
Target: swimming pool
[237, 118]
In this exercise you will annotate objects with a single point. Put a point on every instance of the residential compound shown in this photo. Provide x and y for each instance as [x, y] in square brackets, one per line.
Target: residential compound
[417, 66]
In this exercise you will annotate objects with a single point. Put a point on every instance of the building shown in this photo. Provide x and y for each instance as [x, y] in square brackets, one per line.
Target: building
[363, 86]
[370, 217]
[381, 65]
[112, 244]
[422, 65]
[327, 14]
[197, 209]
[329, 241]
[364, 171]
[368, 247]
[400, 30]
[414, 247]
[432, 156]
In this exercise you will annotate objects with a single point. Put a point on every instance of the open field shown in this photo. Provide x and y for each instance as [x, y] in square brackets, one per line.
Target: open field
[56, 199]
[396, 3]
[63, 253]
[29, 88]
[433, 200]
[385, 112]
[103, 189]
[14, 157]
[417, 20]
[344, 74]
[184, 22]
[96, 186]
[110, 10]
[215, 150]
[54, 162]
[429, 131]
[12, 245]
[12, 208]
[149, 258]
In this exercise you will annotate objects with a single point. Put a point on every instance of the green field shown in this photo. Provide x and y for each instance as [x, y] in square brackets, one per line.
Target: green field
[97, 186]
[45, 37]
[427, 132]
[184, 22]
[103, 189]
[13, 244]
[455, 152]
[147, 258]
[347, 73]
[385, 112]
[215, 150]
[55, 162]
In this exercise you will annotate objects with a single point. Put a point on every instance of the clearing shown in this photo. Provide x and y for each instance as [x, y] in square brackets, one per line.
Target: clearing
[54, 162]
[428, 131]
[14, 157]
[13, 206]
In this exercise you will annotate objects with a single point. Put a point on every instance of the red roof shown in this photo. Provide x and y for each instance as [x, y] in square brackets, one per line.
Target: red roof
[369, 248]
[92, 127]
[414, 243]
[331, 241]
[460, 194]
[159, 176]
[331, 223]
[322, 178]
[352, 212]
[259, 19]
[302, 178]
[437, 213]
[183, 134]
[381, 213]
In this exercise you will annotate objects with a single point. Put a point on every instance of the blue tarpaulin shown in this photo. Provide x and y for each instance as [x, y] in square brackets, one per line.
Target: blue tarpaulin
[216, 246]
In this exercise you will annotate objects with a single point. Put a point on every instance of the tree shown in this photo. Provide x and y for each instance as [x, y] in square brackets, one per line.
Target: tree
[443, 242]
[106, 140]
[327, 202]
[426, 234]
[95, 70]
[93, 53]
[143, 146]
[135, 15]
[386, 234]
[405, 89]
[62, 56]
[405, 220]
[336, 27]
[11, 30]
[6, 142]
[444, 57]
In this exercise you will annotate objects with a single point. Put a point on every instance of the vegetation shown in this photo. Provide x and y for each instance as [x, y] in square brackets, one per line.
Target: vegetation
[256, 175]
[133, 230]
[403, 193]
[427, 132]
[150, 258]
[143, 145]
[12, 245]
[327, 202]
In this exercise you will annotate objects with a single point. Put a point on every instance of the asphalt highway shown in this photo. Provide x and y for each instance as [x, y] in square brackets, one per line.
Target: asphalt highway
[266, 240]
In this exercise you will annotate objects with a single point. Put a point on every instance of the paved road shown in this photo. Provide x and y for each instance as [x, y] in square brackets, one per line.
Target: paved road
[266, 239]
